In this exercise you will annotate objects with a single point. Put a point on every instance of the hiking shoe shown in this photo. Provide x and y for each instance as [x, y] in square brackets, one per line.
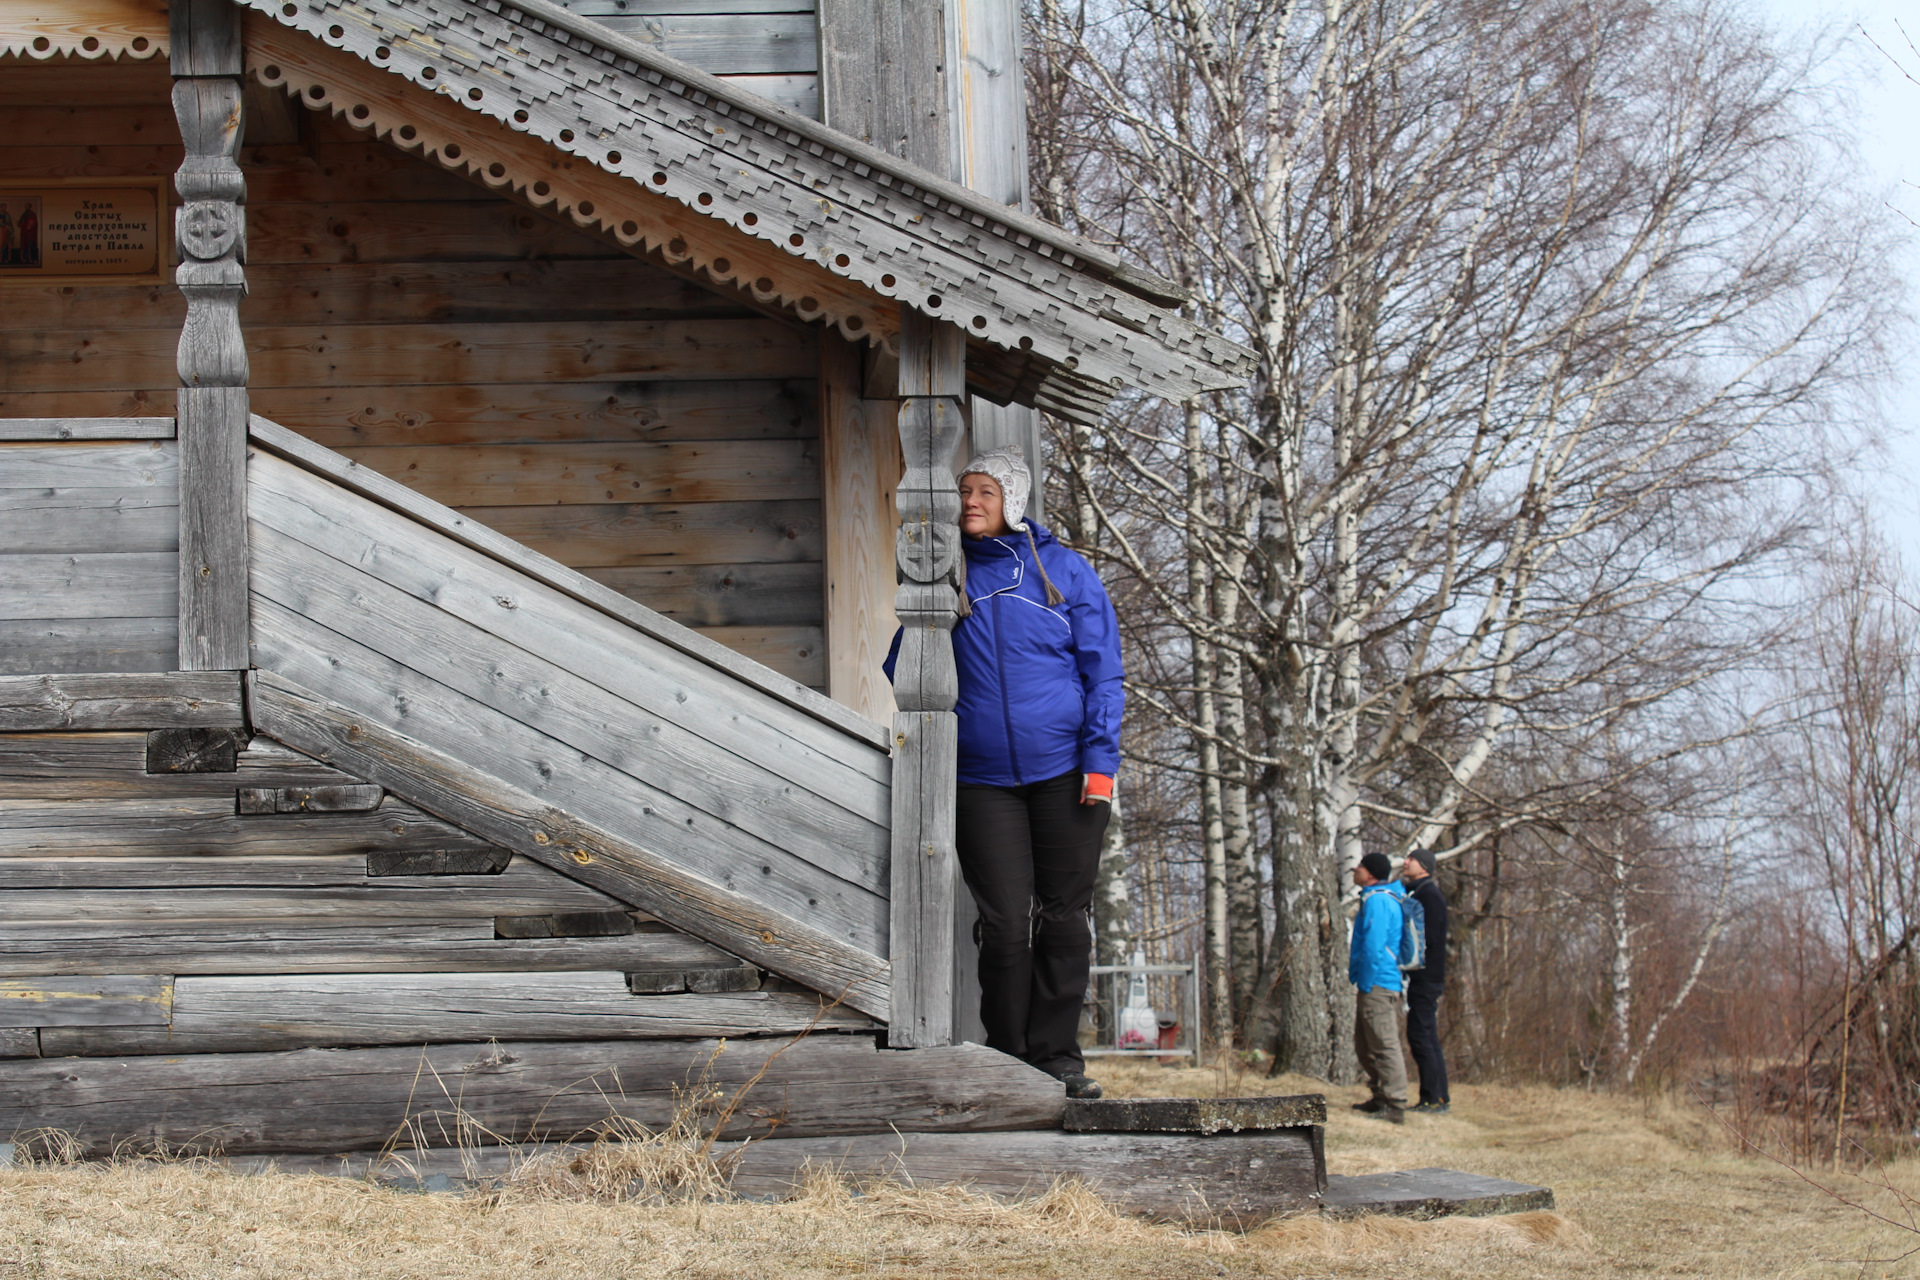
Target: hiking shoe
[1392, 1115]
[1431, 1108]
[1079, 1086]
[1370, 1106]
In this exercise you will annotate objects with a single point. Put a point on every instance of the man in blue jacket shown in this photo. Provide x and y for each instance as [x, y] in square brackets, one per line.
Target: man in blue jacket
[1373, 966]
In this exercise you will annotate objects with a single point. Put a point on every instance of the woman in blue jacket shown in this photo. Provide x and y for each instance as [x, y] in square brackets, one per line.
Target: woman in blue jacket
[1038, 654]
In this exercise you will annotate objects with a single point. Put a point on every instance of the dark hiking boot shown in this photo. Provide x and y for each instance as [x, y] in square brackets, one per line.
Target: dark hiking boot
[1392, 1115]
[1370, 1106]
[1431, 1108]
[1079, 1086]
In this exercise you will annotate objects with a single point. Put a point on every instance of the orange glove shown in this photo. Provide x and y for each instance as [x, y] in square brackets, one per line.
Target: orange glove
[1097, 788]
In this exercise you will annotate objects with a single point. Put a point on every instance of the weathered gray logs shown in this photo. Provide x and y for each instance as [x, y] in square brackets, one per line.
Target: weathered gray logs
[1193, 1115]
[86, 428]
[122, 1000]
[1222, 1180]
[485, 805]
[19, 1042]
[144, 701]
[309, 945]
[220, 1014]
[211, 231]
[925, 876]
[326, 1100]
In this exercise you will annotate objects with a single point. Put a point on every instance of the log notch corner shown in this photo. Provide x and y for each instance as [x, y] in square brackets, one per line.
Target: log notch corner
[212, 234]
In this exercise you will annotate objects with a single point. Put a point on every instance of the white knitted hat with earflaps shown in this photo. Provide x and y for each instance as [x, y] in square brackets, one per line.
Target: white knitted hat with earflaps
[1008, 468]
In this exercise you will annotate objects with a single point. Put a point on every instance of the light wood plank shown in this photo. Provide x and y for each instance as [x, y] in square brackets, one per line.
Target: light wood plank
[799, 92]
[859, 466]
[627, 663]
[43, 521]
[519, 291]
[79, 160]
[112, 766]
[799, 653]
[126, 402]
[251, 1014]
[394, 898]
[89, 645]
[153, 467]
[644, 8]
[925, 880]
[115, 1000]
[19, 1042]
[211, 564]
[313, 945]
[205, 38]
[545, 474]
[85, 428]
[125, 584]
[326, 1101]
[409, 355]
[558, 578]
[188, 825]
[519, 820]
[566, 783]
[722, 595]
[251, 871]
[618, 534]
[687, 789]
[723, 43]
[174, 700]
[541, 413]
[102, 83]
[410, 231]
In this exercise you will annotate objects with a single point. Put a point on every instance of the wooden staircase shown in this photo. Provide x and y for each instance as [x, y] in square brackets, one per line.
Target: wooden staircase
[404, 644]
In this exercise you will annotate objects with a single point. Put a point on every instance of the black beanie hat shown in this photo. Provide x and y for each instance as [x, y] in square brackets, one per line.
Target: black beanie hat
[1377, 866]
[1425, 858]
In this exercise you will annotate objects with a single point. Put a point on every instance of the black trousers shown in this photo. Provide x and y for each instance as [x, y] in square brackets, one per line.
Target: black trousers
[1423, 1041]
[1029, 855]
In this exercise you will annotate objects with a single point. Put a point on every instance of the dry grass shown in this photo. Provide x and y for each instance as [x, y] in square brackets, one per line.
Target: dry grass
[1644, 1189]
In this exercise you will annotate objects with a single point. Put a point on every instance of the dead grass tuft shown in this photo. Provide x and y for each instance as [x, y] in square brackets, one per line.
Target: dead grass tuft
[624, 1161]
[1387, 1238]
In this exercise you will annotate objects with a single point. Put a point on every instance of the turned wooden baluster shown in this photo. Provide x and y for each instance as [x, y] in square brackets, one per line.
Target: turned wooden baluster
[926, 879]
[211, 231]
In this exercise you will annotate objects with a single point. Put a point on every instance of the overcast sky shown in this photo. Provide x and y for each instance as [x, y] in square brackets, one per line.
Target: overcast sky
[1890, 141]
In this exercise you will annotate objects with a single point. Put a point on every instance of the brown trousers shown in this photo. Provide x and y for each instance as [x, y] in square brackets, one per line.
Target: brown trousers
[1376, 1042]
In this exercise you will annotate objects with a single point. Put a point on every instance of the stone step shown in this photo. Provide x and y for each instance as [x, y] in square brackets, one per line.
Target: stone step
[1430, 1193]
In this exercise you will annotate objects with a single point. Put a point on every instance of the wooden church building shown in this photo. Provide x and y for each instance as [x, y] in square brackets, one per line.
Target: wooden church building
[461, 464]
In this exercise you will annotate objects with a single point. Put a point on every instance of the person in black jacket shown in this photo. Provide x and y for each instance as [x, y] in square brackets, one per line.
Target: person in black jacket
[1424, 987]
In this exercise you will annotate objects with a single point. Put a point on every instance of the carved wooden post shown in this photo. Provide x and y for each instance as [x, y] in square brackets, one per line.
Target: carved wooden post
[212, 234]
[926, 876]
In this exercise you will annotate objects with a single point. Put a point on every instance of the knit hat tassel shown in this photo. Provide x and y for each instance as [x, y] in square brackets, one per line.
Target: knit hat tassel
[1053, 593]
[965, 606]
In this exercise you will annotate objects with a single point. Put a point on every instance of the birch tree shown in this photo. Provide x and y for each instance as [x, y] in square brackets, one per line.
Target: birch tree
[1551, 298]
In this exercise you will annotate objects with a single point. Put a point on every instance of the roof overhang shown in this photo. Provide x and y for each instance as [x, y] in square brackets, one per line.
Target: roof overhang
[567, 115]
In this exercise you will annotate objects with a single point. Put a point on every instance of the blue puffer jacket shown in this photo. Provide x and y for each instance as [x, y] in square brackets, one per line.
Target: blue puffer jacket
[1040, 690]
[1373, 957]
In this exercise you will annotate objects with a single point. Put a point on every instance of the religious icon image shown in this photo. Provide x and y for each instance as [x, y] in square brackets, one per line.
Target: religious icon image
[19, 232]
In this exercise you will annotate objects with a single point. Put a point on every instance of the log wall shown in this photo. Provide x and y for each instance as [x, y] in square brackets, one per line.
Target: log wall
[88, 570]
[654, 434]
[770, 47]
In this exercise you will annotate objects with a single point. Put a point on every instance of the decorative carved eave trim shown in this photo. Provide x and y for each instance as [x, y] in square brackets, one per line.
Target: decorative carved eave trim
[111, 29]
[1068, 318]
[434, 126]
